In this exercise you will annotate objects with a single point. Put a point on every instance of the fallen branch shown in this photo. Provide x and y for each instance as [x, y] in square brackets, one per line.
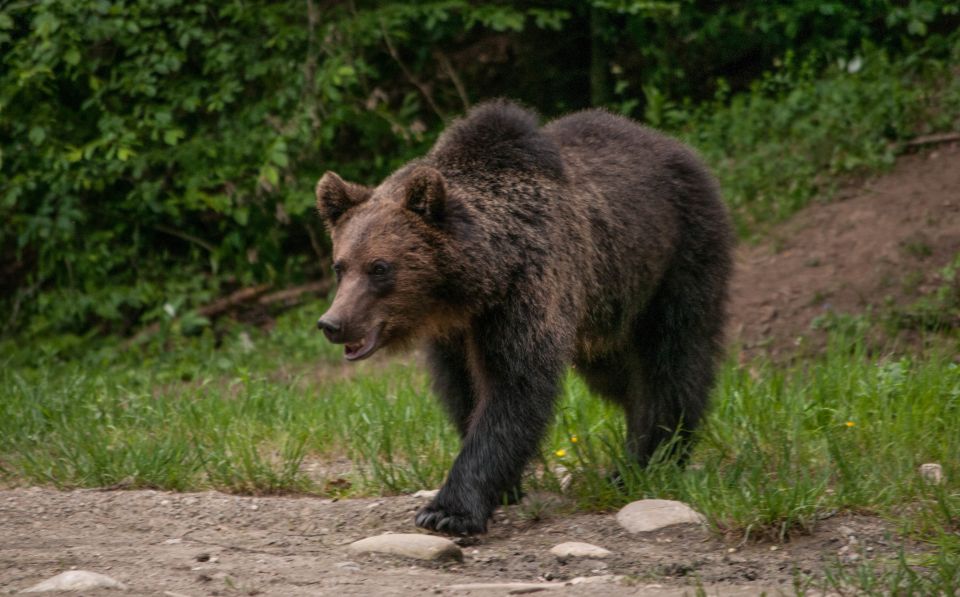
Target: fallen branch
[213, 309]
[235, 298]
[933, 139]
[288, 297]
[294, 294]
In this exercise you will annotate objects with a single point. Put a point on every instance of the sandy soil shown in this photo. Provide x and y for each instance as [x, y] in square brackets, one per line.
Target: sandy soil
[844, 257]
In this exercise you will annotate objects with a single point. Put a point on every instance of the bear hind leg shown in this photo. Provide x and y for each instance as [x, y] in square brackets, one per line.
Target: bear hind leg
[679, 343]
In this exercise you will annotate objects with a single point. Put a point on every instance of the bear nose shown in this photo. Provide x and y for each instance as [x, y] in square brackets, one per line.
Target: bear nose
[330, 327]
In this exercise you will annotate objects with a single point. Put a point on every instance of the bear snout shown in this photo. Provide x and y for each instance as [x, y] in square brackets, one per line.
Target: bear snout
[332, 328]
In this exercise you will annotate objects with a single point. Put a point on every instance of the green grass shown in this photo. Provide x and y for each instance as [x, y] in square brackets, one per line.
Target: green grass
[783, 447]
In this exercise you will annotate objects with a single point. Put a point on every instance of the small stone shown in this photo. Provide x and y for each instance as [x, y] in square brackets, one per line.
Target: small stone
[410, 545]
[932, 473]
[76, 580]
[575, 549]
[508, 588]
[652, 515]
[426, 493]
[590, 580]
[566, 479]
[351, 566]
[845, 531]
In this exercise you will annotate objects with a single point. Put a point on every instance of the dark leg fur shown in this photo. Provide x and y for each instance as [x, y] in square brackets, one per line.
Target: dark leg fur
[451, 382]
[663, 382]
[450, 378]
[679, 342]
[504, 432]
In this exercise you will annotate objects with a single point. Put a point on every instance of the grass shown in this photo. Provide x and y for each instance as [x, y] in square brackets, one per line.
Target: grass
[783, 447]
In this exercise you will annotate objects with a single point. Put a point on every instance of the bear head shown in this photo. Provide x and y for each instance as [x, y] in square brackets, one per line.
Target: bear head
[387, 256]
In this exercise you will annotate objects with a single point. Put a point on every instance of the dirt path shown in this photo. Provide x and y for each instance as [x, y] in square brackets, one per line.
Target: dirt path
[215, 544]
[886, 240]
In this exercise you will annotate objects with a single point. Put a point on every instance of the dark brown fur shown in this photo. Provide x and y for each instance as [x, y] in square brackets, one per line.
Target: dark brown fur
[515, 251]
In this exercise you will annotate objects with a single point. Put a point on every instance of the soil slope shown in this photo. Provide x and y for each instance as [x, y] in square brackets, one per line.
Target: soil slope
[885, 243]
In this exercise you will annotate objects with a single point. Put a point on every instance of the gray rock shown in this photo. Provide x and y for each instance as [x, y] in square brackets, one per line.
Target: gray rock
[932, 473]
[507, 588]
[76, 580]
[652, 515]
[575, 549]
[522, 588]
[410, 545]
[592, 580]
[350, 566]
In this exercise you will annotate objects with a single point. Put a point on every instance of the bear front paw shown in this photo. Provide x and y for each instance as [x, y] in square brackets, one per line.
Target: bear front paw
[437, 518]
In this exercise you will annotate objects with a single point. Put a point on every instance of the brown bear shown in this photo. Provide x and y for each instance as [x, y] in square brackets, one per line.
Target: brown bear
[513, 251]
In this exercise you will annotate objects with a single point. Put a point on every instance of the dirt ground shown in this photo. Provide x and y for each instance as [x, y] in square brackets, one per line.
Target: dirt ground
[214, 544]
[883, 243]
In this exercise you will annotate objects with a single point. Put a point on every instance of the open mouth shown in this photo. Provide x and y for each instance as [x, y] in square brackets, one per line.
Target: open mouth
[355, 351]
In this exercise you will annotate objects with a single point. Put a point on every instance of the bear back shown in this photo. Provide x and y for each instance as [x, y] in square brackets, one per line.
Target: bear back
[497, 136]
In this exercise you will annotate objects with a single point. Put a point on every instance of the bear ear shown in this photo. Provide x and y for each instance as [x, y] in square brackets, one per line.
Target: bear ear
[335, 197]
[426, 194]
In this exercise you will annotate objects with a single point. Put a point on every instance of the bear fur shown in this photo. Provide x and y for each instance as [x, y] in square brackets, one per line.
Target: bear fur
[514, 251]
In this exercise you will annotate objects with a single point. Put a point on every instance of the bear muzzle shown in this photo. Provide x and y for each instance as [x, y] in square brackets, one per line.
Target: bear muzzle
[353, 350]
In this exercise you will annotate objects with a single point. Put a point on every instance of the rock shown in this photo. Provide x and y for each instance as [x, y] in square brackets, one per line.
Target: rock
[651, 515]
[847, 555]
[564, 476]
[410, 545]
[427, 493]
[351, 566]
[522, 588]
[932, 473]
[507, 588]
[76, 580]
[591, 580]
[575, 549]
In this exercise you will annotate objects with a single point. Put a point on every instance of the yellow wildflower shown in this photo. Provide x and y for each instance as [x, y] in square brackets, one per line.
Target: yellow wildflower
[573, 439]
[561, 453]
[849, 423]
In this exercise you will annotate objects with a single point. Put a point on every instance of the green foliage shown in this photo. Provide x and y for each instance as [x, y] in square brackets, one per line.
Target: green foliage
[163, 149]
[163, 153]
[938, 311]
[798, 130]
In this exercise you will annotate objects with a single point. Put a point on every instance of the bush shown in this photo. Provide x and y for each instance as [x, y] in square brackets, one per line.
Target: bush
[155, 154]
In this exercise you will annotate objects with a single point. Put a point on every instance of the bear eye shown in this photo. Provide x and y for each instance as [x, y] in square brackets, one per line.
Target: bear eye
[379, 268]
[338, 270]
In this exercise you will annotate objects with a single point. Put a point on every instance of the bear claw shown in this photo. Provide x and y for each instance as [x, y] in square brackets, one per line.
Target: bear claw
[435, 518]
